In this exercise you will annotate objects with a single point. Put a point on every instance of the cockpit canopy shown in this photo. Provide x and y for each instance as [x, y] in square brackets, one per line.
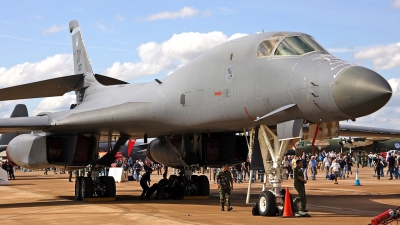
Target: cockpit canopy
[293, 45]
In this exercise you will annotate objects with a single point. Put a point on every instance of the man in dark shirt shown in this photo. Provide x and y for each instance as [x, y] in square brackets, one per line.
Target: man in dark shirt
[305, 166]
[238, 168]
[145, 183]
[342, 164]
[391, 164]
[299, 182]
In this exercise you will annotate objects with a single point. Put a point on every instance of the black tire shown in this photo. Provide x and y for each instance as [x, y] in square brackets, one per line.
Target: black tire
[194, 178]
[110, 186]
[86, 187]
[266, 204]
[254, 210]
[204, 185]
[78, 182]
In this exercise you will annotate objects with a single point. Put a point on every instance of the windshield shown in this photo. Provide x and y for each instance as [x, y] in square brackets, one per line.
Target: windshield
[296, 45]
[266, 47]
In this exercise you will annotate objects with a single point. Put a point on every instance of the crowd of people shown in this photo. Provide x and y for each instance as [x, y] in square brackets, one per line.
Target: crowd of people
[339, 165]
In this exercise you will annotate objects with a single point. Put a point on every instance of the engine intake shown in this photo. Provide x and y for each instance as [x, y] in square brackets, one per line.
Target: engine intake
[37, 151]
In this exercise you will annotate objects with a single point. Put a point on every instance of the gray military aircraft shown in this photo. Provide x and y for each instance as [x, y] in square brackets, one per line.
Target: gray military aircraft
[20, 110]
[271, 82]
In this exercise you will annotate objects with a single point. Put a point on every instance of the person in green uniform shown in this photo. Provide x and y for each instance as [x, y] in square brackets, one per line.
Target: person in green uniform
[359, 160]
[299, 182]
[225, 186]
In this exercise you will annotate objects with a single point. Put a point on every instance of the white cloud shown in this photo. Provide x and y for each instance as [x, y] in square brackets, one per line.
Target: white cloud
[168, 55]
[207, 13]
[382, 57]
[6, 107]
[54, 66]
[119, 18]
[184, 12]
[396, 3]
[53, 104]
[54, 29]
[51, 67]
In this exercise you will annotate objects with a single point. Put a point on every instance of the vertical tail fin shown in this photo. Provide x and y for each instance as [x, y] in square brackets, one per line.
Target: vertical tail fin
[81, 59]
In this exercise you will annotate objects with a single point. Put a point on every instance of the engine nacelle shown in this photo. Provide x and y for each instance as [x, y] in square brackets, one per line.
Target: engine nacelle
[158, 151]
[28, 151]
[38, 151]
[199, 150]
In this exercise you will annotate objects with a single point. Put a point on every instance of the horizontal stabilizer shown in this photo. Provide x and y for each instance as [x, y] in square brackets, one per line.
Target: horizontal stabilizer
[104, 80]
[47, 88]
[24, 124]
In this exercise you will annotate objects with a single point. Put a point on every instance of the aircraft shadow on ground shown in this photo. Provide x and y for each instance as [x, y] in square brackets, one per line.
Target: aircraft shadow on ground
[333, 206]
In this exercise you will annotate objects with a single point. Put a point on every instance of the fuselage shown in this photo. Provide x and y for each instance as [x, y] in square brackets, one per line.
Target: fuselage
[227, 88]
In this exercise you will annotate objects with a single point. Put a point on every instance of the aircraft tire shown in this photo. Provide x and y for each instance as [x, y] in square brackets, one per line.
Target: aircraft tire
[110, 186]
[267, 204]
[78, 182]
[194, 178]
[86, 187]
[204, 185]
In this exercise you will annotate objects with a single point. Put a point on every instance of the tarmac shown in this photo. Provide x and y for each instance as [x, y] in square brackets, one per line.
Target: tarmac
[35, 198]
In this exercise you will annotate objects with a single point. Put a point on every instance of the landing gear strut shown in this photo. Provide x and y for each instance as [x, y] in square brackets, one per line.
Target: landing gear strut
[272, 150]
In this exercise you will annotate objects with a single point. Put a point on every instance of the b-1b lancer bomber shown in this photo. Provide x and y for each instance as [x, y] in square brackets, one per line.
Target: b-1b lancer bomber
[272, 82]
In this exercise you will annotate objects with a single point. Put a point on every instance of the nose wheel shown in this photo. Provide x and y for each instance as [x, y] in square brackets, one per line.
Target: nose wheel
[267, 204]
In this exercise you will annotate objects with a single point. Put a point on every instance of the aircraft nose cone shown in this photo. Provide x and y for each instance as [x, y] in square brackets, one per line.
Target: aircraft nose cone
[359, 91]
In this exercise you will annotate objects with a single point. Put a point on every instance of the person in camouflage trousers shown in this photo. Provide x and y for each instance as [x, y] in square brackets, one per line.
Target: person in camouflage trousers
[225, 186]
[299, 182]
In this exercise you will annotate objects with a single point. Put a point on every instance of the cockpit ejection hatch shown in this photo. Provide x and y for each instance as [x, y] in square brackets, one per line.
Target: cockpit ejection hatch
[283, 46]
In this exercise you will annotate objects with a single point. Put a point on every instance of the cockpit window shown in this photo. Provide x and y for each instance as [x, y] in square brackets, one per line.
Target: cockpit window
[316, 44]
[266, 47]
[296, 45]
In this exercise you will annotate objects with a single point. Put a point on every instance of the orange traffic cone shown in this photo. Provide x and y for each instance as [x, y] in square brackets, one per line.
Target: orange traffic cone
[287, 208]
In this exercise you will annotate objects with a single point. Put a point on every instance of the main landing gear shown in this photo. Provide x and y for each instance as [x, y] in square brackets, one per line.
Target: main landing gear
[93, 185]
[89, 187]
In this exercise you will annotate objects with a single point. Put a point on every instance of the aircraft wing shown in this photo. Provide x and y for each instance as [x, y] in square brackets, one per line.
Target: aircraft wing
[372, 133]
[24, 124]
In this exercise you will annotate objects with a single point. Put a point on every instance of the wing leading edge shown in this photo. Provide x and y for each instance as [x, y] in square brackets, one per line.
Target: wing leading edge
[24, 124]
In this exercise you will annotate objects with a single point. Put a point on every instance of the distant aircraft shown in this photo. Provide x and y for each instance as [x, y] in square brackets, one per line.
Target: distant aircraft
[335, 145]
[384, 146]
[20, 110]
[271, 83]
[137, 150]
[369, 139]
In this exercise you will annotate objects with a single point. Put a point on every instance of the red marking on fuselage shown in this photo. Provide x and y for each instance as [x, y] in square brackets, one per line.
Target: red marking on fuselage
[219, 93]
[248, 114]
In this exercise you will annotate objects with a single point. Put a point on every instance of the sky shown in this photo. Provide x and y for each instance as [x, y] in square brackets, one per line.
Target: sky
[138, 41]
